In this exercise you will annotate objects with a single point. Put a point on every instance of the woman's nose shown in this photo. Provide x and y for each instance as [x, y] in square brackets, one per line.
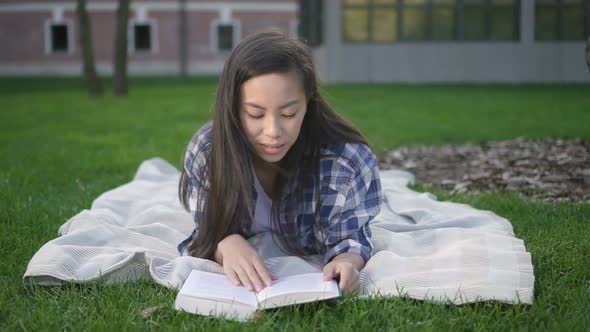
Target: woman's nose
[272, 127]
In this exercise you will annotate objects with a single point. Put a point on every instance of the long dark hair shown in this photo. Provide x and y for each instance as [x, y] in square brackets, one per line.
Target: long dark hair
[228, 207]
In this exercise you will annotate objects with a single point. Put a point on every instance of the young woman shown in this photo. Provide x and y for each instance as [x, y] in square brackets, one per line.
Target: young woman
[277, 158]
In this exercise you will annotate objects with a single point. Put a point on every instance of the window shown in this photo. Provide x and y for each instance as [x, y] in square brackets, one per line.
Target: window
[490, 20]
[58, 37]
[224, 35]
[443, 20]
[562, 19]
[474, 20]
[142, 36]
[356, 24]
[310, 14]
[414, 22]
[438, 20]
[503, 20]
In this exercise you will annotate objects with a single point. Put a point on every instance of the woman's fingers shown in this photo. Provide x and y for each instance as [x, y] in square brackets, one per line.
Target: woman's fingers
[254, 277]
[263, 272]
[345, 277]
[349, 281]
[329, 272]
[244, 264]
[348, 277]
[251, 273]
[244, 279]
[232, 276]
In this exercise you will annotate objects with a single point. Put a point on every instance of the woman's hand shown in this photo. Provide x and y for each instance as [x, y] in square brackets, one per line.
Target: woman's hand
[345, 267]
[349, 276]
[241, 263]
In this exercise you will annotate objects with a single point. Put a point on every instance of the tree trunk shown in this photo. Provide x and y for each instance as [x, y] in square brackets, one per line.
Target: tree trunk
[93, 83]
[182, 42]
[120, 57]
[587, 32]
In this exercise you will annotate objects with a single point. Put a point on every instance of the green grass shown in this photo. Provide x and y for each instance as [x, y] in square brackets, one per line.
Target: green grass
[60, 149]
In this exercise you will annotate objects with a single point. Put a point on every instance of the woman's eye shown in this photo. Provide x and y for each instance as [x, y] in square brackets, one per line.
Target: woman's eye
[254, 116]
[290, 115]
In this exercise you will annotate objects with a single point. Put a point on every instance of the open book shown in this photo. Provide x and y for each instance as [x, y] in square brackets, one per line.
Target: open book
[212, 294]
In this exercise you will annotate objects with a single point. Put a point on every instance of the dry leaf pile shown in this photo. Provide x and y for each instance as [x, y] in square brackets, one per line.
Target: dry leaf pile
[547, 169]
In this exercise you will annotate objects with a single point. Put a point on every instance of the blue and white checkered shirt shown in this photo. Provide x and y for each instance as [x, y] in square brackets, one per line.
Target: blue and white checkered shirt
[350, 196]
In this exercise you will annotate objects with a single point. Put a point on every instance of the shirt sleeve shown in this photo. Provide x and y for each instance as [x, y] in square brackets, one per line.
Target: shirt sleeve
[194, 163]
[353, 198]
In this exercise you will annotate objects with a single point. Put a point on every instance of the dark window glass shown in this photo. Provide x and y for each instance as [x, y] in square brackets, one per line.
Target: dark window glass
[474, 23]
[573, 23]
[443, 23]
[59, 38]
[143, 37]
[310, 21]
[414, 23]
[546, 23]
[562, 19]
[385, 24]
[225, 37]
[356, 24]
[415, 20]
[503, 23]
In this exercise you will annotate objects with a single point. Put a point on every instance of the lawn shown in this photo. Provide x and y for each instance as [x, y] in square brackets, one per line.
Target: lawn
[60, 149]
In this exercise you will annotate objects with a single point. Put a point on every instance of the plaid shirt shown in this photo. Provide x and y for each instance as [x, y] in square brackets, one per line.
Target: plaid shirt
[350, 196]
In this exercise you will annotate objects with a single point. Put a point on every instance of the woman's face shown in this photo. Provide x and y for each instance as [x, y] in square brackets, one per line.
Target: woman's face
[272, 110]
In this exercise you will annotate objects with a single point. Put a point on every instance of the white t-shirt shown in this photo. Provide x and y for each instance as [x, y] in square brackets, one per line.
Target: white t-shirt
[262, 211]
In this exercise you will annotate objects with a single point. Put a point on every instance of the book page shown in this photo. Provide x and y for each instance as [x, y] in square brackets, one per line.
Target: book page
[200, 284]
[303, 283]
[293, 265]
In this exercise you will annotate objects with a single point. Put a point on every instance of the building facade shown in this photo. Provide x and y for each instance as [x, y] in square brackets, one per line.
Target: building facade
[41, 37]
[373, 41]
[419, 41]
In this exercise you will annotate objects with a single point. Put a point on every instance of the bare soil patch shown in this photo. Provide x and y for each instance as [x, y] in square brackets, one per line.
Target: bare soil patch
[546, 169]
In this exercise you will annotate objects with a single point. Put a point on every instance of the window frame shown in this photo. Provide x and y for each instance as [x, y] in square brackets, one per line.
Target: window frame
[69, 24]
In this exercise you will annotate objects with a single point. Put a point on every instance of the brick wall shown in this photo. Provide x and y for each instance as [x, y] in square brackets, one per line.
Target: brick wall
[23, 33]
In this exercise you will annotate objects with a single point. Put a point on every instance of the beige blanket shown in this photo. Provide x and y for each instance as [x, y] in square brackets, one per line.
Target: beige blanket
[424, 249]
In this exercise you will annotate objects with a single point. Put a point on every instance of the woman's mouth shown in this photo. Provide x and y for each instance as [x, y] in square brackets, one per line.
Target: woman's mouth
[272, 149]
